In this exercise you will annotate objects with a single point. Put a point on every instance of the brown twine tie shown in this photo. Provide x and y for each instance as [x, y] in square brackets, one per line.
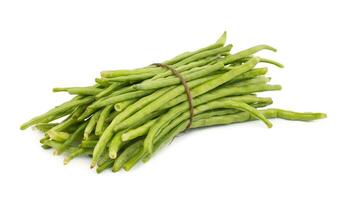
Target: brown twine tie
[186, 88]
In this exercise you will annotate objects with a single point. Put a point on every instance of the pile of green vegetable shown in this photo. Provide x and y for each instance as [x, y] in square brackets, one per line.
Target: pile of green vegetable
[128, 115]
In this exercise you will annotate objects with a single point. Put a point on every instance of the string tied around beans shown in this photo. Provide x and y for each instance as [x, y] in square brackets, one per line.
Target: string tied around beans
[186, 88]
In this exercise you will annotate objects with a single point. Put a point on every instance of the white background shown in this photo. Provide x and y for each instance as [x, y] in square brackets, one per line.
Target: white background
[44, 44]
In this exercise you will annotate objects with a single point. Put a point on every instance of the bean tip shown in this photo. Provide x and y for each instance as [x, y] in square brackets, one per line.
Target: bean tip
[65, 161]
[93, 164]
[112, 155]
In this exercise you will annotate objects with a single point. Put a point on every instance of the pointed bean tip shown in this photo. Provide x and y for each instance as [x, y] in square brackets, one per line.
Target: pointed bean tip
[65, 161]
[322, 115]
[115, 169]
[222, 38]
[23, 127]
[93, 164]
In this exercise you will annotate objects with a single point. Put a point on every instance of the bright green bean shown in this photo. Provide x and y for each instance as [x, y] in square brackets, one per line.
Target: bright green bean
[119, 73]
[101, 120]
[268, 113]
[109, 89]
[126, 155]
[88, 144]
[140, 131]
[75, 153]
[123, 105]
[204, 54]
[58, 136]
[247, 52]
[79, 90]
[74, 136]
[134, 77]
[57, 110]
[104, 166]
[135, 159]
[91, 124]
[115, 144]
[44, 127]
[119, 98]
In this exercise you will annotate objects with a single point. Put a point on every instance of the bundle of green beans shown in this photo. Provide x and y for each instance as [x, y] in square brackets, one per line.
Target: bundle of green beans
[128, 115]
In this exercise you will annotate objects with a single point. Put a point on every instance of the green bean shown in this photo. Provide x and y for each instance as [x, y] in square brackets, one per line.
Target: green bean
[45, 146]
[105, 166]
[140, 131]
[216, 112]
[44, 127]
[126, 155]
[53, 117]
[53, 144]
[204, 54]
[135, 159]
[120, 98]
[102, 82]
[123, 90]
[119, 73]
[57, 110]
[247, 52]
[253, 81]
[104, 158]
[273, 62]
[220, 112]
[249, 109]
[74, 136]
[109, 89]
[265, 60]
[75, 153]
[88, 144]
[115, 144]
[268, 113]
[134, 77]
[58, 136]
[101, 121]
[91, 124]
[111, 117]
[123, 105]
[44, 138]
[250, 74]
[79, 90]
